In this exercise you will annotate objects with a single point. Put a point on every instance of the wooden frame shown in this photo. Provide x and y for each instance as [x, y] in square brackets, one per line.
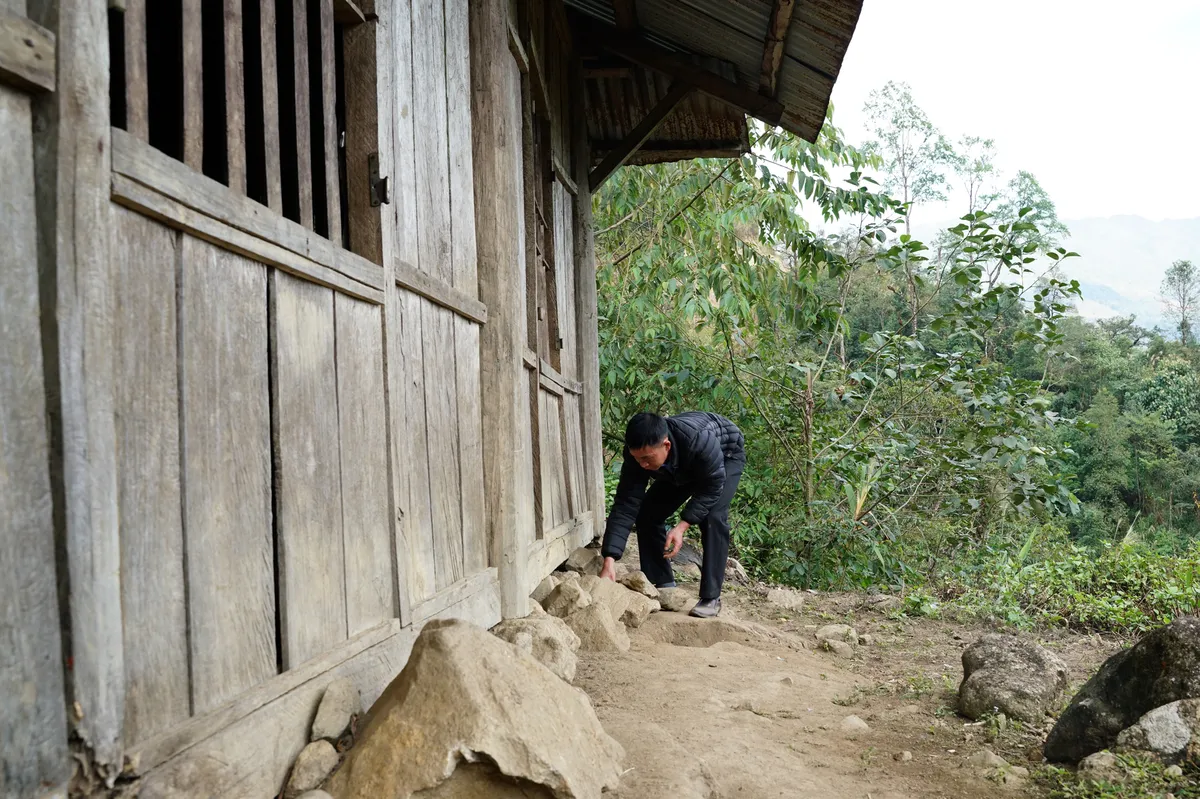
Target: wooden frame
[777, 31]
[27, 54]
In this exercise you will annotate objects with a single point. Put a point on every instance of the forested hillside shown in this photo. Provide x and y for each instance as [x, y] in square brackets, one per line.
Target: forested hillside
[929, 417]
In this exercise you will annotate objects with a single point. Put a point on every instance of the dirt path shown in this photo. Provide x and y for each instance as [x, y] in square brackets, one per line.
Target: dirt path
[745, 706]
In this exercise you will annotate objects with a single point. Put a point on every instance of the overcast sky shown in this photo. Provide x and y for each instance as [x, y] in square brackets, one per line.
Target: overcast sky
[1099, 100]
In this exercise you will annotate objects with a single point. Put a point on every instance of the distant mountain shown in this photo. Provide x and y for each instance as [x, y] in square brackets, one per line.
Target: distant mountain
[1121, 262]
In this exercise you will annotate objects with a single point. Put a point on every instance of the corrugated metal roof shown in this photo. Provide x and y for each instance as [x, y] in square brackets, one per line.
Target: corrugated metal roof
[729, 36]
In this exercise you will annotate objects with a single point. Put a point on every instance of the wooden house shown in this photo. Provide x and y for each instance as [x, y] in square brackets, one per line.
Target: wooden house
[299, 339]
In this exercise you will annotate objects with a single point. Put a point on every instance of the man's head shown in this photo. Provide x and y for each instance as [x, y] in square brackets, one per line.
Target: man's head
[646, 437]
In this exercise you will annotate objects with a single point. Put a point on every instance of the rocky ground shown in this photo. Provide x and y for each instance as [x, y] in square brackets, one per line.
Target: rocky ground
[751, 706]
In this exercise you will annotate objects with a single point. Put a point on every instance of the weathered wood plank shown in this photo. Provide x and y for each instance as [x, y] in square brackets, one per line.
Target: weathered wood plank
[270, 95]
[586, 321]
[439, 293]
[564, 266]
[73, 173]
[193, 85]
[144, 164]
[303, 117]
[154, 752]
[33, 734]
[308, 493]
[557, 545]
[430, 139]
[226, 459]
[26, 53]
[233, 763]
[137, 104]
[496, 151]
[147, 412]
[150, 202]
[777, 30]
[462, 190]
[470, 445]
[333, 194]
[441, 414]
[366, 527]
[235, 97]
[533, 439]
[362, 77]
[555, 507]
[453, 594]
[417, 521]
[573, 443]
[558, 383]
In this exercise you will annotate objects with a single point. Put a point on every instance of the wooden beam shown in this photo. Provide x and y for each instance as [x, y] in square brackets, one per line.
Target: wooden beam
[193, 87]
[640, 51]
[26, 54]
[235, 98]
[777, 30]
[625, 12]
[137, 106]
[639, 135]
[347, 12]
[270, 93]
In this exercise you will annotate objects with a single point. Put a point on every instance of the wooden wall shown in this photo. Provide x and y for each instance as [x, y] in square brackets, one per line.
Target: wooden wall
[281, 443]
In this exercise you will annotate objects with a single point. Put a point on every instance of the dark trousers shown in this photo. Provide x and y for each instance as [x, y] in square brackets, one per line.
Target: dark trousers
[663, 499]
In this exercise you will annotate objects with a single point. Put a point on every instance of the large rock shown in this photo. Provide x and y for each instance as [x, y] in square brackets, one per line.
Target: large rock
[637, 581]
[638, 610]
[1009, 675]
[312, 766]
[1099, 768]
[339, 705]
[838, 632]
[548, 584]
[1170, 733]
[467, 697]
[567, 598]
[1161, 668]
[735, 572]
[613, 597]
[675, 599]
[484, 781]
[585, 560]
[550, 641]
[786, 598]
[598, 631]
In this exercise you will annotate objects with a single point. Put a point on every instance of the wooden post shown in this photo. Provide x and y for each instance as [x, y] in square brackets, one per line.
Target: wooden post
[72, 157]
[586, 313]
[496, 118]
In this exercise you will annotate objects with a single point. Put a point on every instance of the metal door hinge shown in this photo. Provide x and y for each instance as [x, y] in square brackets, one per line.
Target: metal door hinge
[379, 186]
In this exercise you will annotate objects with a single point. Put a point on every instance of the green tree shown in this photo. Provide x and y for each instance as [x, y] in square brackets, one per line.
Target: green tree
[1025, 193]
[1181, 297]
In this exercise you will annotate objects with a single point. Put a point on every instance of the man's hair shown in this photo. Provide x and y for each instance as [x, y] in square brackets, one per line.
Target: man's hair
[645, 430]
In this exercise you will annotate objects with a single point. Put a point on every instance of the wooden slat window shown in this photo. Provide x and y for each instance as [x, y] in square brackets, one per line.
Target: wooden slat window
[253, 94]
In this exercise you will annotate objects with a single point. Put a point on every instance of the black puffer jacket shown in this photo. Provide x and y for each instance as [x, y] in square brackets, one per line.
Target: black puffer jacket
[701, 443]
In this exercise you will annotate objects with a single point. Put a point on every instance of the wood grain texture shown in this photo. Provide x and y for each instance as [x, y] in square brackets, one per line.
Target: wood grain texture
[366, 527]
[470, 445]
[461, 163]
[564, 267]
[226, 452]
[496, 152]
[441, 415]
[438, 292]
[573, 443]
[193, 85]
[75, 158]
[27, 53]
[417, 522]
[33, 734]
[270, 95]
[137, 104]
[153, 594]
[333, 193]
[149, 202]
[235, 97]
[303, 112]
[533, 437]
[308, 490]
[233, 763]
[555, 504]
[430, 140]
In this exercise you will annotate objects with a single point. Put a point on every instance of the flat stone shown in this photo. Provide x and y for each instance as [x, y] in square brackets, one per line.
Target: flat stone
[1101, 767]
[985, 759]
[597, 630]
[883, 603]
[466, 694]
[786, 598]
[839, 648]
[675, 600]
[585, 560]
[313, 765]
[637, 581]
[339, 705]
[838, 632]
[854, 724]
[548, 584]
[1010, 675]
[567, 598]
[547, 639]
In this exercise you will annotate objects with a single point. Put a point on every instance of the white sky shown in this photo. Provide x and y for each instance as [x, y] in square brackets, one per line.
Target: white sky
[1099, 100]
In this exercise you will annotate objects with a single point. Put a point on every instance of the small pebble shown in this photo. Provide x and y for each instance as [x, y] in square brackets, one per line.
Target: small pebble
[902, 757]
[1174, 771]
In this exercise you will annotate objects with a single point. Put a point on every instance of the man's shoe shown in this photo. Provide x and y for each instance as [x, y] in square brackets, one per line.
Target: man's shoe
[706, 609]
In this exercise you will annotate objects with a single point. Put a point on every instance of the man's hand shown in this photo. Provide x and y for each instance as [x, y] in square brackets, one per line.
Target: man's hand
[609, 570]
[675, 540]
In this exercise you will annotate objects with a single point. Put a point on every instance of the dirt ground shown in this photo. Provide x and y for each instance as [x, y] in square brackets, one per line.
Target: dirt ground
[747, 706]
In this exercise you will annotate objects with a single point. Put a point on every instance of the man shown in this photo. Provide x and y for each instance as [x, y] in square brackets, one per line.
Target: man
[695, 458]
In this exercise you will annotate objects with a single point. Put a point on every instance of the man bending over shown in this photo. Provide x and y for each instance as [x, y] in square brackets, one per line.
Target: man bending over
[696, 458]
